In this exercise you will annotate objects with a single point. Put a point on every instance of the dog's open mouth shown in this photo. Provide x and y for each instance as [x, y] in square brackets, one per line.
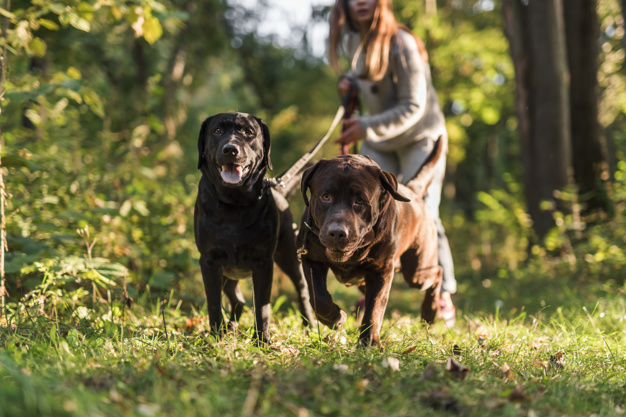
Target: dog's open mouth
[233, 173]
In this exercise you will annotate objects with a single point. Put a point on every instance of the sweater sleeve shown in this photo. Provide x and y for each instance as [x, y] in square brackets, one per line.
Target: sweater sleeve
[411, 89]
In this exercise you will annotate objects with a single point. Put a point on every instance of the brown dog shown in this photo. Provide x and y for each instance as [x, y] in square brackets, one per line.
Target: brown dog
[364, 226]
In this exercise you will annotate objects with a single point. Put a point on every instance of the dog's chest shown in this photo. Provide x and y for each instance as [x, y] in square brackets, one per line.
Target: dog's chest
[350, 277]
[238, 241]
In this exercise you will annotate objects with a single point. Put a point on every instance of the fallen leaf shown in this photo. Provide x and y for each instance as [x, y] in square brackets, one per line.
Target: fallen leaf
[290, 351]
[391, 363]
[362, 385]
[341, 367]
[193, 322]
[506, 371]
[409, 350]
[556, 361]
[456, 369]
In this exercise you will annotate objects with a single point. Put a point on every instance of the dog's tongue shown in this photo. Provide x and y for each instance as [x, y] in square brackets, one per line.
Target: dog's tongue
[231, 173]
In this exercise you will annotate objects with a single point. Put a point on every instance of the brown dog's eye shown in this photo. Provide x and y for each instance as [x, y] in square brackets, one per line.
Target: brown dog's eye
[217, 131]
[359, 200]
[248, 132]
[325, 197]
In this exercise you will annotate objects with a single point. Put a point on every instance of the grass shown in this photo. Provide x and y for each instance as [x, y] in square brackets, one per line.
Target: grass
[525, 357]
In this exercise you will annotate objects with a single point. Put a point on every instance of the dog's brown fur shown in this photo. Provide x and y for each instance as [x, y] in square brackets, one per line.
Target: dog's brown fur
[364, 226]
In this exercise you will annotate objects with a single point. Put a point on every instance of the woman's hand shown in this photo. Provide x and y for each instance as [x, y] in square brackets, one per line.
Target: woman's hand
[352, 132]
[343, 85]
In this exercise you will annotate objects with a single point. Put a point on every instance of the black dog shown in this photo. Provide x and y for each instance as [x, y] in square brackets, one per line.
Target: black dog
[241, 224]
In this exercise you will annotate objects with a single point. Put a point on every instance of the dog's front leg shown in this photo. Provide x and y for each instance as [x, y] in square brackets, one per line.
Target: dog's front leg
[213, 278]
[262, 288]
[377, 289]
[326, 311]
[237, 302]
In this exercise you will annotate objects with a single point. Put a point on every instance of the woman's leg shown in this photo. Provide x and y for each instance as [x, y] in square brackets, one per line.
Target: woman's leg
[388, 161]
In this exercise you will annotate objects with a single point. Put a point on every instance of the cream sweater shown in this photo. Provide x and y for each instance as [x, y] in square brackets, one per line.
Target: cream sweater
[402, 108]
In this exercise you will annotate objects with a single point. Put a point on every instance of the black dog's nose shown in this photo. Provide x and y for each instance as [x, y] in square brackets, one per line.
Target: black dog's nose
[231, 149]
[336, 232]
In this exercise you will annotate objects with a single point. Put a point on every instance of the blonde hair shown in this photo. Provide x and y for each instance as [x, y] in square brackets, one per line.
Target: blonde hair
[377, 41]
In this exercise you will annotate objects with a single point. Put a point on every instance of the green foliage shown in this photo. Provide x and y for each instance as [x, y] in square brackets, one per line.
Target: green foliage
[564, 360]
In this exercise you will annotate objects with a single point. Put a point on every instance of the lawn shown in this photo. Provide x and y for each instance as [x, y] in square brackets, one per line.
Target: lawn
[521, 347]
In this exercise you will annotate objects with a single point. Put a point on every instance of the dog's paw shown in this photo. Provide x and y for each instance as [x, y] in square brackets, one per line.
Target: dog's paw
[338, 324]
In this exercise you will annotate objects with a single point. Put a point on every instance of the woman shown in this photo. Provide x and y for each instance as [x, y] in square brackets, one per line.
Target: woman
[389, 66]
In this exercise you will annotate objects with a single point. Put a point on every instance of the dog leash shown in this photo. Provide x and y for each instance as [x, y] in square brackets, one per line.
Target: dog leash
[300, 163]
[303, 250]
[352, 104]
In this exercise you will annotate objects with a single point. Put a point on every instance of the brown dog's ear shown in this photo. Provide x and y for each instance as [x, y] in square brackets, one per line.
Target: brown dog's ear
[266, 143]
[304, 184]
[202, 140]
[390, 183]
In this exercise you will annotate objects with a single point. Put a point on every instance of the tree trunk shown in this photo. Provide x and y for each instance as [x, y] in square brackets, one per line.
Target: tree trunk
[590, 164]
[3, 225]
[537, 38]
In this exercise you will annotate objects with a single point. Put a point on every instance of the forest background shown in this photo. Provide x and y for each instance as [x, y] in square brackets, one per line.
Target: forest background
[102, 103]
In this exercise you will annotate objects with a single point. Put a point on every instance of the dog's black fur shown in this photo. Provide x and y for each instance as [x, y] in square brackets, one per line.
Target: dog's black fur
[241, 225]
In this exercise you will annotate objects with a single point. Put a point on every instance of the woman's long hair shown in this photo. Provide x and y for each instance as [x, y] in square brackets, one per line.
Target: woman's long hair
[377, 42]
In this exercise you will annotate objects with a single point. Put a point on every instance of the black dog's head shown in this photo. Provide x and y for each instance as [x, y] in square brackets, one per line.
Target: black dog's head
[234, 147]
[348, 193]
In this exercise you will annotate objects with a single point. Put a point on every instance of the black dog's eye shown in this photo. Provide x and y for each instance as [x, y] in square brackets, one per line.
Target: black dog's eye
[248, 132]
[217, 131]
[325, 197]
[359, 200]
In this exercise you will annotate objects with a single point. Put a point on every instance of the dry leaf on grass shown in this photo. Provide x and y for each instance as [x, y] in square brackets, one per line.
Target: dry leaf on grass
[362, 385]
[556, 361]
[507, 372]
[456, 368]
[391, 363]
[409, 350]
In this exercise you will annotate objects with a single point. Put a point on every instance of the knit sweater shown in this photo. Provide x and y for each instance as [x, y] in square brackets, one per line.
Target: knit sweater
[402, 107]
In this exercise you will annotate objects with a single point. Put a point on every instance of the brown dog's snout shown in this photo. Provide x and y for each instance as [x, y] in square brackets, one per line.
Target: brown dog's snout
[230, 149]
[336, 235]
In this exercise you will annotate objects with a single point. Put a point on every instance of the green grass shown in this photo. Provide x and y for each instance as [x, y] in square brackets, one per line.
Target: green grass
[541, 360]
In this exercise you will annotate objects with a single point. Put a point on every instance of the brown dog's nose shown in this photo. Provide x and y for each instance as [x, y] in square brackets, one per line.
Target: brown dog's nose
[336, 233]
[231, 149]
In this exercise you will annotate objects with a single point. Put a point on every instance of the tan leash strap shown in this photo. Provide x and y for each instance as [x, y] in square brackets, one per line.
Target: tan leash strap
[300, 163]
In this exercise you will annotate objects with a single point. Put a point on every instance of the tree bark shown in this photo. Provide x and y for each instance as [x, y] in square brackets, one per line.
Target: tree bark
[537, 37]
[591, 171]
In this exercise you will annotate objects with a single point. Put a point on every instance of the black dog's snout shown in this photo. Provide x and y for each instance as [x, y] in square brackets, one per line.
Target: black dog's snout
[336, 233]
[230, 149]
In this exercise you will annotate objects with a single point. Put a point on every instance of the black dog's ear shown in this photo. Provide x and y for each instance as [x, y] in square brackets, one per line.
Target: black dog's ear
[202, 140]
[390, 183]
[266, 143]
[306, 177]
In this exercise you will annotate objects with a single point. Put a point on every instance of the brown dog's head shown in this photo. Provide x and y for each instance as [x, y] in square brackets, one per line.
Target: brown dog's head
[234, 148]
[348, 193]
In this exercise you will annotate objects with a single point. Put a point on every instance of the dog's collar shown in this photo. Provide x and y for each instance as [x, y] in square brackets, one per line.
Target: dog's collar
[313, 229]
